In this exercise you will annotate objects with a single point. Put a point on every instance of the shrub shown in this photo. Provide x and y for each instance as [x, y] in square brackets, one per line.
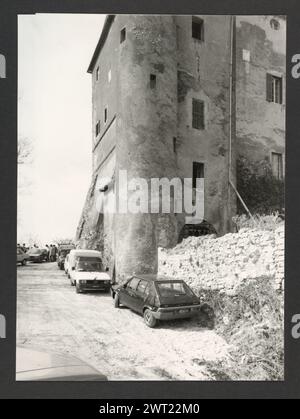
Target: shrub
[252, 324]
[261, 191]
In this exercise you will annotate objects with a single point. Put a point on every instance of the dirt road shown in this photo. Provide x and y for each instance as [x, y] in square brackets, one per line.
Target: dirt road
[52, 317]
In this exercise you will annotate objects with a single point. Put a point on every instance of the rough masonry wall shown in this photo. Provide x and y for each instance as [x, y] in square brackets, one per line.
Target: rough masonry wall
[204, 74]
[260, 126]
[146, 126]
[224, 263]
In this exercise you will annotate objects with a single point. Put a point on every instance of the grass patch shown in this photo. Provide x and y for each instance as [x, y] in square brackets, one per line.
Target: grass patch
[252, 323]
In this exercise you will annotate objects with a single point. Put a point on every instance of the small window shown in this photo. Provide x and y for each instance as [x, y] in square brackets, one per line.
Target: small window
[152, 81]
[198, 114]
[105, 115]
[274, 89]
[97, 128]
[97, 73]
[197, 28]
[246, 55]
[174, 144]
[122, 35]
[277, 166]
[109, 76]
[198, 172]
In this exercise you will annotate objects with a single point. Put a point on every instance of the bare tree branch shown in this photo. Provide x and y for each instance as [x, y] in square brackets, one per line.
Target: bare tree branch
[24, 150]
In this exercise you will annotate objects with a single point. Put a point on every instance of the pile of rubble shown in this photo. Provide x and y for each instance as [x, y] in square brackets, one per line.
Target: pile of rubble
[224, 263]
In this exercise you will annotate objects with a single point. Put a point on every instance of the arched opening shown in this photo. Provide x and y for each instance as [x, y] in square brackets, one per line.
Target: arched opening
[196, 230]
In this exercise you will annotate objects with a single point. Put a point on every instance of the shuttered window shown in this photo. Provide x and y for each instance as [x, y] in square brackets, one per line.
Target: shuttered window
[198, 114]
[274, 89]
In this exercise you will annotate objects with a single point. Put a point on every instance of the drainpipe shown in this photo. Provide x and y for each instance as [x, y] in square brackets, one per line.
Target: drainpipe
[232, 25]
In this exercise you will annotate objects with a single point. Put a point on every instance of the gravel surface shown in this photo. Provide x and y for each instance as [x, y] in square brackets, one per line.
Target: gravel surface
[52, 317]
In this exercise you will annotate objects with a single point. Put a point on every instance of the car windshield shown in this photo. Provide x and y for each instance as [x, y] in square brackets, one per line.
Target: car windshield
[173, 289]
[86, 265]
[64, 253]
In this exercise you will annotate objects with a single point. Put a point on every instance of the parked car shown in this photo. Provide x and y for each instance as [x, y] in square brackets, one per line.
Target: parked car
[36, 365]
[37, 254]
[89, 275]
[73, 256]
[62, 252]
[157, 298]
[22, 257]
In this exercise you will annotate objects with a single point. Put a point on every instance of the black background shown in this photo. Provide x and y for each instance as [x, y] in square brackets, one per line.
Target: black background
[290, 388]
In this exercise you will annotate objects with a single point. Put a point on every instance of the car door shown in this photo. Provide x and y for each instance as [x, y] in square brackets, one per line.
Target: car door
[141, 294]
[128, 294]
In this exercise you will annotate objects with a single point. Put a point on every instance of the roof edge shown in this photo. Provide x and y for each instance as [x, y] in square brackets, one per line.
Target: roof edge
[106, 27]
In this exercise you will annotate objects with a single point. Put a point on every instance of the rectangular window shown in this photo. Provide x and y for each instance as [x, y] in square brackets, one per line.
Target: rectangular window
[198, 114]
[274, 89]
[197, 28]
[152, 81]
[122, 35]
[97, 73]
[277, 166]
[174, 144]
[198, 172]
[105, 114]
[97, 128]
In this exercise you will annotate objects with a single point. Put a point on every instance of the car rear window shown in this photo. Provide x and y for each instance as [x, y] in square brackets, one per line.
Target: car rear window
[168, 289]
[87, 259]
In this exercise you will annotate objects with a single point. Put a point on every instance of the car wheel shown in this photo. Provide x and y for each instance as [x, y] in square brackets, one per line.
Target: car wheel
[116, 301]
[78, 291]
[149, 319]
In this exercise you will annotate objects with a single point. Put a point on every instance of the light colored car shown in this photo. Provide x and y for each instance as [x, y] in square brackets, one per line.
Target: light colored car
[22, 257]
[86, 271]
[35, 365]
[73, 257]
[66, 264]
[90, 275]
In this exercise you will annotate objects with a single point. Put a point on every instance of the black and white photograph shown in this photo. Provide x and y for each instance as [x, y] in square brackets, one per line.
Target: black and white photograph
[151, 197]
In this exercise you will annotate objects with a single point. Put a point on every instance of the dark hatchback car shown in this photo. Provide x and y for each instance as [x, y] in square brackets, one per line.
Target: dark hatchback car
[157, 298]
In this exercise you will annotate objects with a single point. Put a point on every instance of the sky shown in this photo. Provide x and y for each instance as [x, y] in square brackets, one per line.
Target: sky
[55, 115]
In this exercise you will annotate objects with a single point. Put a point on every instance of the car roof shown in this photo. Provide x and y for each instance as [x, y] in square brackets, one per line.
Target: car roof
[85, 252]
[156, 278]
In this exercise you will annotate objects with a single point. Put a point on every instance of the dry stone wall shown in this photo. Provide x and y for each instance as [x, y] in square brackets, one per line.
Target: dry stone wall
[226, 262]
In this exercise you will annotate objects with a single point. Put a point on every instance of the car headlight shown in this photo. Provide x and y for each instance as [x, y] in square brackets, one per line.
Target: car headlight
[82, 281]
